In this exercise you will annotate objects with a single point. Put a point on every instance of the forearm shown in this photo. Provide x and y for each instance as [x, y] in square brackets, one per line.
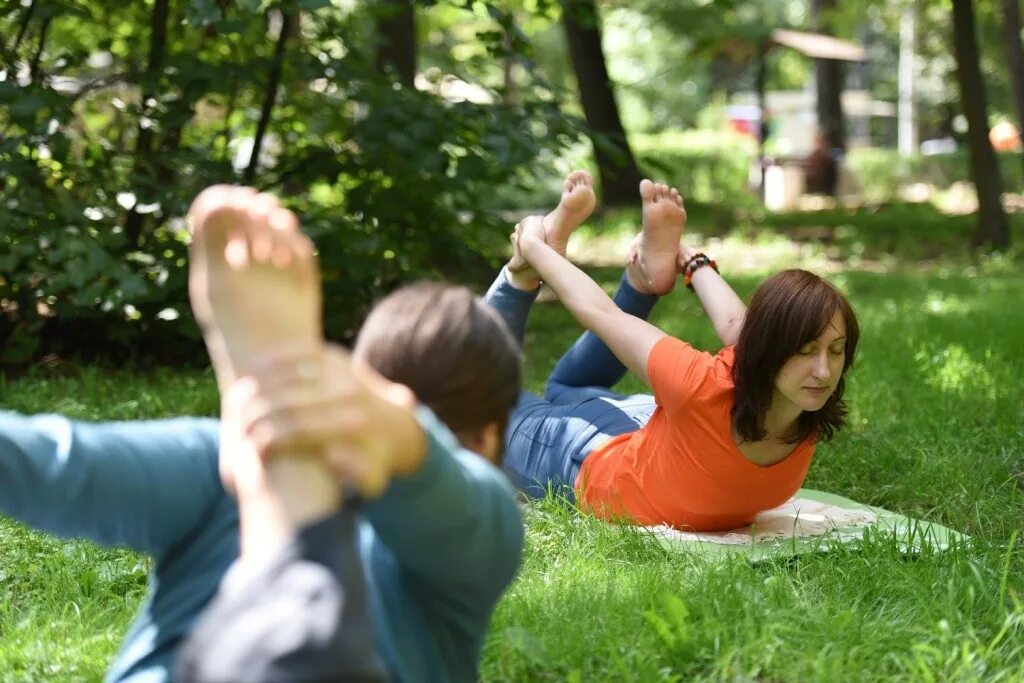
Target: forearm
[584, 299]
[723, 307]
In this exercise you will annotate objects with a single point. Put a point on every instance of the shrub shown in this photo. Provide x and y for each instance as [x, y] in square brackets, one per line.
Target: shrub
[101, 152]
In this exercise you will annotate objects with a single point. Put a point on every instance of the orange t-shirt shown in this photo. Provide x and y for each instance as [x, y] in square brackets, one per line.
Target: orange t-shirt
[683, 467]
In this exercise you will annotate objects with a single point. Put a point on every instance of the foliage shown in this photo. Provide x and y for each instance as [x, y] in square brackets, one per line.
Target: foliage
[112, 118]
[937, 96]
[880, 173]
[706, 166]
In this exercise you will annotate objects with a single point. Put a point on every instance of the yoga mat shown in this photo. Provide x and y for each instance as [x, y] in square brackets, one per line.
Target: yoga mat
[813, 521]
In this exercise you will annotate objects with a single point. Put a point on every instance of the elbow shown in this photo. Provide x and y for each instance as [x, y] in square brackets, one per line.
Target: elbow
[730, 332]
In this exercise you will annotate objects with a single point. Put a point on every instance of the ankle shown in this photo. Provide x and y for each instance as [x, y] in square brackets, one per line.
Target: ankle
[525, 281]
[635, 278]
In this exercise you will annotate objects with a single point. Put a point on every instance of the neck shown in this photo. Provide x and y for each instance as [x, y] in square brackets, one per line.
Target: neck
[780, 421]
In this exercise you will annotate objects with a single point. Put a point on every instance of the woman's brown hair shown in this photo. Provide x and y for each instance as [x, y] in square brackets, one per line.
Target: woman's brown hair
[450, 348]
[786, 312]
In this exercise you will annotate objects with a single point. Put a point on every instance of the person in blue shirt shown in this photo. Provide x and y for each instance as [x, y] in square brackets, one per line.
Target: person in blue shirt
[438, 539]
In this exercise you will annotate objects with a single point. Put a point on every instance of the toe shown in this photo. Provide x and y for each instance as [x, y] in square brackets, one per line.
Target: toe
[578, 177]
[258, 227]
[647, 189]
[282, 219]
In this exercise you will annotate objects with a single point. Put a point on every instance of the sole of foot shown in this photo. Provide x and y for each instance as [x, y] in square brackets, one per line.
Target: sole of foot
[254, 282]
[652, 266]
[576, 205]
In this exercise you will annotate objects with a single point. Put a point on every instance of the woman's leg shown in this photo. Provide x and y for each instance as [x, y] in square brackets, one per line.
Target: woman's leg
[511, 303]
[589, 367]
[650, 273]
[516, 287]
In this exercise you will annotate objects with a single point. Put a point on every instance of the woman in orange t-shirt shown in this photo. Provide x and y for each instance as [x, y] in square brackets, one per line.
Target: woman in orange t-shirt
[724, 435]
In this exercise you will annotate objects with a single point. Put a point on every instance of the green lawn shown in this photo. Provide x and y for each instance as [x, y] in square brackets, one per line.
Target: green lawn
[936, 431]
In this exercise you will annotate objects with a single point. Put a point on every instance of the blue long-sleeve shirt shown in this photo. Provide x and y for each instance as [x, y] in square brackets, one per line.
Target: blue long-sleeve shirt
[439, 547]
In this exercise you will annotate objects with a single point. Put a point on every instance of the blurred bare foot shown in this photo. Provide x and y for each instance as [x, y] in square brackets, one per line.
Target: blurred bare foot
[254, 282]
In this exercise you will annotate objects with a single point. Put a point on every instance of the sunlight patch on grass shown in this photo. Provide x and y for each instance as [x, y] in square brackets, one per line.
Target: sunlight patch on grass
[953, 370]
[945, 304]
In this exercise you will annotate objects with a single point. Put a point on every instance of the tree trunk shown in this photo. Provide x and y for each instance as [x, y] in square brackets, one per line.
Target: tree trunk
[763, 130]
[992, 226]
[829, 79]
[273, 82]
[616, 165]
[906, 127]
[157, 47]
[1014, 58]
[396, 39]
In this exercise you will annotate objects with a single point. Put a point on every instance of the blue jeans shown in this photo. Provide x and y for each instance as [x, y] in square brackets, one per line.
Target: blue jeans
[548, 438]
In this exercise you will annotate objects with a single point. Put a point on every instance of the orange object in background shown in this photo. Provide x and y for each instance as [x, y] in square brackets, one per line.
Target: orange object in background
[1005, 137]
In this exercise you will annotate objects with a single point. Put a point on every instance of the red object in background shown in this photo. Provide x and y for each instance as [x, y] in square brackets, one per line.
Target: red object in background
[743, 126]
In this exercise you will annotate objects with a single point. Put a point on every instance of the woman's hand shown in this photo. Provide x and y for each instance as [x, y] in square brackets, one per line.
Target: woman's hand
[529, 234]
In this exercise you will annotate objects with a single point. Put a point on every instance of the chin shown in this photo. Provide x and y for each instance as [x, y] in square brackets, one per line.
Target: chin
[814, 406]
[811, 405]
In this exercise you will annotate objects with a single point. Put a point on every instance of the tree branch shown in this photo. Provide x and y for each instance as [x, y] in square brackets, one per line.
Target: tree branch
[24, 25]
[157, 46]
[33, 69]
[276, 68]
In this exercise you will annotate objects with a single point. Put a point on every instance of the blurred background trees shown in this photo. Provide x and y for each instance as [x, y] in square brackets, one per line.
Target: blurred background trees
[404, 131]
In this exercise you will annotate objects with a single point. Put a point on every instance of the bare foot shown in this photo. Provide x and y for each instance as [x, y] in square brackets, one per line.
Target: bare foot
[254, 282]
[254, 285]
[652, 267]
[576, 205]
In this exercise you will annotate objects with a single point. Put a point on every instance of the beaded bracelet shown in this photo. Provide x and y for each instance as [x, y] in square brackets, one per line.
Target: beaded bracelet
[693, 264]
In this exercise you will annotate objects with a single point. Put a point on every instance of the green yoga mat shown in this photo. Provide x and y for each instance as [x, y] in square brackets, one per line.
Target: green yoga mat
[814, 521]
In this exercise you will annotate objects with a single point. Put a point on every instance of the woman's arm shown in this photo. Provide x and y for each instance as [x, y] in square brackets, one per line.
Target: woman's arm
[720, 302]
[629, 338]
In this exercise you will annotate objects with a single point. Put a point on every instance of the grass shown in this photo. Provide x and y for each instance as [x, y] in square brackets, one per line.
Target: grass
[936, 431]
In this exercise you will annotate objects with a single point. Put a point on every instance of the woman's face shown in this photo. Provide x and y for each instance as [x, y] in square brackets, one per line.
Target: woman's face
[808, 377]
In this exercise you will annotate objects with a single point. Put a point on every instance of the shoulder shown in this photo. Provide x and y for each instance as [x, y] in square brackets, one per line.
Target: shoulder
[724, 361]
[670, 350]
[680, 373]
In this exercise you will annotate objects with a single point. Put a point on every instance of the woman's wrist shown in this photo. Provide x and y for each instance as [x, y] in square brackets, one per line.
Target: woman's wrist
[685, 254]
[694, 264]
